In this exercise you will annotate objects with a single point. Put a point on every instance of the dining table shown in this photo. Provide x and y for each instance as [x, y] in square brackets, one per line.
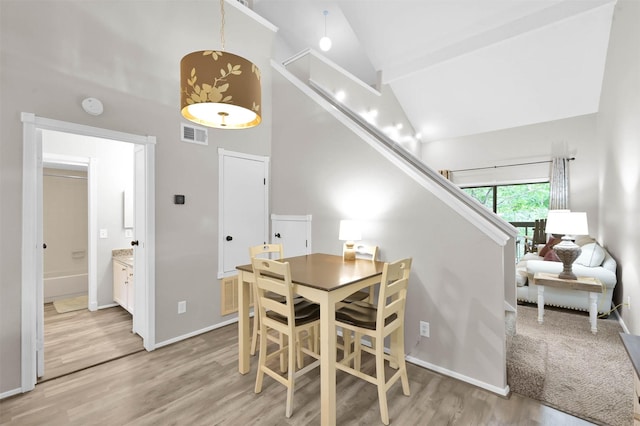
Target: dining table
[325, 279]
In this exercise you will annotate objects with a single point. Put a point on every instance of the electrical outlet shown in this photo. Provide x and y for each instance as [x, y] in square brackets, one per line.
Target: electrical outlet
[182, 306]
[424, 329]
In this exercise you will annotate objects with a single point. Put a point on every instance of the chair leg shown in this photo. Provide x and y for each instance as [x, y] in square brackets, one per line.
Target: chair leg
[282, 341]
[399, 356]
[381, 382]
[357, 349]
[254, 337]
[298, 344]
[262, 359]
[346, 342]
[291, 375]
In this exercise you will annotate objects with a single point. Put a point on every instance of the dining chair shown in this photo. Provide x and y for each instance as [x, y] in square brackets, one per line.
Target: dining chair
[379, 321]
[363, 251]
[263, 251]
[296, 320]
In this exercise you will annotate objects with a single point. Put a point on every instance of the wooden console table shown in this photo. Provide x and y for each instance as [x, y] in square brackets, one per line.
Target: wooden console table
[589, 284]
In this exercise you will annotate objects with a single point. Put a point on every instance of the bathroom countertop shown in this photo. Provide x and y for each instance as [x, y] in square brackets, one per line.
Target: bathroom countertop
[123, 255]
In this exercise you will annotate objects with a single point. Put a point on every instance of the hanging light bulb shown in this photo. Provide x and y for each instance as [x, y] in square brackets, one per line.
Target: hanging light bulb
[220, 89]
[325, 42]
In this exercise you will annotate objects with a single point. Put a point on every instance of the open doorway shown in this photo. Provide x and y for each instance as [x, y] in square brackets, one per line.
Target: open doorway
[79, 333]
[143, 152]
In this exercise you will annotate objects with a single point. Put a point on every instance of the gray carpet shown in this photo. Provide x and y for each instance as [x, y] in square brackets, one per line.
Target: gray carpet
[562, 364]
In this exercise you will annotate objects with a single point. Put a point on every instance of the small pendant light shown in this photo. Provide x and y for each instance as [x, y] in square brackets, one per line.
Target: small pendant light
[325, 42]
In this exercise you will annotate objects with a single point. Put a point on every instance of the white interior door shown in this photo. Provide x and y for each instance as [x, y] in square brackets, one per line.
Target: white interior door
[293, 232]
[243, 201]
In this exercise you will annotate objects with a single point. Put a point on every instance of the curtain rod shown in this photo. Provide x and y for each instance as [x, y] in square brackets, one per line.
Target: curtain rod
[507, 165]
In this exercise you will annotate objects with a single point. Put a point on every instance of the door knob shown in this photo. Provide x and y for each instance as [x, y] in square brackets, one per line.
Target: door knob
[229, 238]
[44, 245]
[134, 243]
[277, 235]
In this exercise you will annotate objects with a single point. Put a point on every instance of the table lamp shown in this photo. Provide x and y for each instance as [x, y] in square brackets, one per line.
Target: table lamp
[568, 224]
[349, 232]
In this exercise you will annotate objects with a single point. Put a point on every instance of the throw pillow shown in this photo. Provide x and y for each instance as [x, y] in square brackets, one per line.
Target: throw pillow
[551, 256]
[592, 255]
[547, 248]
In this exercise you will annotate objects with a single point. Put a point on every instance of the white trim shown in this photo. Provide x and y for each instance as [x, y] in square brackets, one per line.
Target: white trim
[110, 305]
[253, 15]
[9, 393]
[491, 388]
[331, 64]
[196, 333]
[32, 154]
[621, 322]
[293, 217]
[28, 344]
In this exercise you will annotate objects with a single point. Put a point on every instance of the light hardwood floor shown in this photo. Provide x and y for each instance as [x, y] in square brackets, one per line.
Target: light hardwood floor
[80, 339]
[196, 382]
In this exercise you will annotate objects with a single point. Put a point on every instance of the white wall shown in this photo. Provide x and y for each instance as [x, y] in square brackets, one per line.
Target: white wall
[114, 167]
[54, 54]
[320, 167]
[571, 137]
[619, 142]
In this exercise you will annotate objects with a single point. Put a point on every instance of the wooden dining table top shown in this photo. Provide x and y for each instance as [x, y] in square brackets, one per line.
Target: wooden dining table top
[327, 271]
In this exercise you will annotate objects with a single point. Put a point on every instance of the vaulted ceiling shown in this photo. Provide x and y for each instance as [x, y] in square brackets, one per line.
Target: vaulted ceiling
[461, 67]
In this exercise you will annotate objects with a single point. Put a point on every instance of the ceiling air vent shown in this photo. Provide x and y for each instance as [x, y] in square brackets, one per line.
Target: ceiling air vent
[194, 134]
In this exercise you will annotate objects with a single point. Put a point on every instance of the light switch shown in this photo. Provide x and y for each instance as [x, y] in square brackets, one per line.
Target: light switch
[103, 233]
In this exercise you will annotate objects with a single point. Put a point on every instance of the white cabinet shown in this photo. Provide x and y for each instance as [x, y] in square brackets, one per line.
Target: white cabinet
[123, 285]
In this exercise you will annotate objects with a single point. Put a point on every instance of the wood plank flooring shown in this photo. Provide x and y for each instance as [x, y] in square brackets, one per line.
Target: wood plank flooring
[80, 339]
[196, 382]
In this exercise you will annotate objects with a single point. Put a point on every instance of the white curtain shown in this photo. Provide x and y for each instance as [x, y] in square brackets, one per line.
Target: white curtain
[559, 184]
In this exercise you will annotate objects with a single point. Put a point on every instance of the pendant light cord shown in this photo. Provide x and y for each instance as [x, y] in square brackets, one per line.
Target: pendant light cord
[222, 23]
[325, 13]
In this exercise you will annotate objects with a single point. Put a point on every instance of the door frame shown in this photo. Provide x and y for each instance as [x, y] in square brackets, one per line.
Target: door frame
[87, 164]
[32, 228]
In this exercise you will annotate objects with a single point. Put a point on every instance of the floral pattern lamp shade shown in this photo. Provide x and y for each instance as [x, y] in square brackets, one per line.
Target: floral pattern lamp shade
[220, 89]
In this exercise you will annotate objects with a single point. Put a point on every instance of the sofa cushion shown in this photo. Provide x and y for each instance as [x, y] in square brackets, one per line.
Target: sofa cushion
[592, 255]
[547, 248]
[551, 256]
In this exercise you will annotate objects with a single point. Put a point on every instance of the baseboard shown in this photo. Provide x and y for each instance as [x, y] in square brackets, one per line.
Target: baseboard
[11, 392]
[110, 305]
[499, 391]
[195, 333]
[621, 322]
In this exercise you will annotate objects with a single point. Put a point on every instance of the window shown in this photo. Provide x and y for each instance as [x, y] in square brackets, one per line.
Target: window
[519, 204]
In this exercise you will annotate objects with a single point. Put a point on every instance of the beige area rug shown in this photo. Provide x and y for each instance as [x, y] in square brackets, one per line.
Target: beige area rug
[562, 364]
[70, 305]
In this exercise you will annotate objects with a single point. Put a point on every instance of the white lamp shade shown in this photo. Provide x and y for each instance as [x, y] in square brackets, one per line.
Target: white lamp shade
[567, 223]
[349, 231]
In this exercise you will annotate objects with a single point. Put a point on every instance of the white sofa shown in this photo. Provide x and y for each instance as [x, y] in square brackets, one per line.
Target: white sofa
[594, 261]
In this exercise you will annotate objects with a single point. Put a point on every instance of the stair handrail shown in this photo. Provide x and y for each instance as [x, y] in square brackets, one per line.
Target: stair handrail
[491, 222]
